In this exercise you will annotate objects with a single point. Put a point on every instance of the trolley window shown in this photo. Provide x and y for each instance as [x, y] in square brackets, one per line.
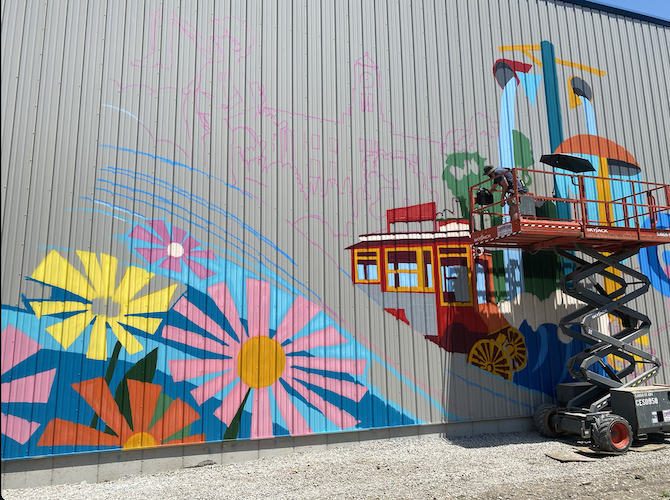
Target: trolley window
[367, 265]
[455, 276]
[409, 270]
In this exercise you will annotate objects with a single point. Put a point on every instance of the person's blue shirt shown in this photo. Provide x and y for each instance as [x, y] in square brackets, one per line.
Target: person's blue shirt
[507, 174]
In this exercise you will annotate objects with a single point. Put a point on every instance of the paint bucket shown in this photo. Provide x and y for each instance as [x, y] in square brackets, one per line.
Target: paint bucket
[484, 197]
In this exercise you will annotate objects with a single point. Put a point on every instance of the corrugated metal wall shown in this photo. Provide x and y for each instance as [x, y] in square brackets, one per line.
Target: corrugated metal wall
[180, 182]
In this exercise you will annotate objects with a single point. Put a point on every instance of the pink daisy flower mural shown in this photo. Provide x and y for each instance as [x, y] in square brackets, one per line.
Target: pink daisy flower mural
[17, 347]
[278, 367]
[173, 248]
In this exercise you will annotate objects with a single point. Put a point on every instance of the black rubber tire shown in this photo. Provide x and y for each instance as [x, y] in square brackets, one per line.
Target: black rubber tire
[612, 433]
[542, 418]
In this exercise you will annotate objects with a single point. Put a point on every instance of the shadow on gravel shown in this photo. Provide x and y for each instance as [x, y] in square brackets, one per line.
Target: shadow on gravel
[492, 440]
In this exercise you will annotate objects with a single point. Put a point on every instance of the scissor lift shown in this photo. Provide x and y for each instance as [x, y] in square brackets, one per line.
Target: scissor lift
[610, 406]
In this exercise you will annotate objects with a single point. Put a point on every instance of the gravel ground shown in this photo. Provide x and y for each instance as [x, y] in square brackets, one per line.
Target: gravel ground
[489, 467]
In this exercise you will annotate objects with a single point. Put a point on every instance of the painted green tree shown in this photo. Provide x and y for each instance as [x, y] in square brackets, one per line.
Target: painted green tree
[523, 155]
[541, 270]
[462, 171]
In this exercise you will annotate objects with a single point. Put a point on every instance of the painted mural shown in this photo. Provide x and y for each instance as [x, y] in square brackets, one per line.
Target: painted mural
[191, 322]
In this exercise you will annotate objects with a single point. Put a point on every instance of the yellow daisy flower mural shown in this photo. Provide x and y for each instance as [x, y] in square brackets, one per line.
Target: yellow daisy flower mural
[107, 304]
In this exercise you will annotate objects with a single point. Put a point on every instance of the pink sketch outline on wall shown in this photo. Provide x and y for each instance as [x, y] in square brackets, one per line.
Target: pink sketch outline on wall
[244, 109]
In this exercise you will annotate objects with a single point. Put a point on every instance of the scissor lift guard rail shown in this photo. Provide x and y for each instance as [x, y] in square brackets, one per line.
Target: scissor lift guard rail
[609, 406]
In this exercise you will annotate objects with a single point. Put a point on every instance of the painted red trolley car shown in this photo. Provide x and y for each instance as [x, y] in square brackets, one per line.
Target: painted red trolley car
[436, 282]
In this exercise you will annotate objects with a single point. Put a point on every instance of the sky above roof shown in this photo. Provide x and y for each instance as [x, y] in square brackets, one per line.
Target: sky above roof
[654, 8]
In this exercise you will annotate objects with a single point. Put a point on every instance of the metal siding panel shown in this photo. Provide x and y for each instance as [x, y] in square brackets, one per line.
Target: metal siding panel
[387, 85]
[621, 130]
[267, 56]
[10, 61]
[532, 123]
[86, 232]
[350, 299]
[451, 117]
[659, 310]
[656, 95]
[57, 158]
[624, 67]
[603, 88]
[366, 314]
[641, 92]
[569, 49]
[654, 91]
[515, 27]
[584, 52]
[334, 257]
[537, 131]
[103, 228]
[22, 149]
[70, 103]
[466, 95]
[434, 163]
[392, 164]
[428, 367]
[316, 133]
[411, 165]
[184, 85]
[277, 67]
[549, 22]
[299, 111]
[269, 131]
[416, 164]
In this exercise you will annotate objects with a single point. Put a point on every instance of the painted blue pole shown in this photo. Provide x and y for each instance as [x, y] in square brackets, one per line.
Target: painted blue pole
[551, 94]
[554, 118]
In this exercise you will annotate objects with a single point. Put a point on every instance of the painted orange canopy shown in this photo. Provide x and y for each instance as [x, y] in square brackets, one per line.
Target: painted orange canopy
[597, 146]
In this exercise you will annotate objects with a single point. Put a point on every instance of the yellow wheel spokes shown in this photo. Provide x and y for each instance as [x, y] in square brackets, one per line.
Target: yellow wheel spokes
[489, 355]
[515, 345]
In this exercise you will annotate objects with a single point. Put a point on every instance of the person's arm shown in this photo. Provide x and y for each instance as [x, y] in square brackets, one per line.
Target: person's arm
[496, 185]
[504, 184]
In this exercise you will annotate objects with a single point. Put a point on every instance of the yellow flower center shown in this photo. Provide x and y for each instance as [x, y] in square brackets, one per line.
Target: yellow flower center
[261, 362]
[140, 440]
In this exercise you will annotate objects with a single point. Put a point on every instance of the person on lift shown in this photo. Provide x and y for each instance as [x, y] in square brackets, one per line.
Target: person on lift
[502, 177]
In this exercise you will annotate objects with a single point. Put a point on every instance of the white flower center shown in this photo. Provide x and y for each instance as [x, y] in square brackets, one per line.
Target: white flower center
[175, 250]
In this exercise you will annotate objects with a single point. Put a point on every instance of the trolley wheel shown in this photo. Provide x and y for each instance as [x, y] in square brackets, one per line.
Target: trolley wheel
[489, 355]
[542, 418]
[612, 433]
[515, 344]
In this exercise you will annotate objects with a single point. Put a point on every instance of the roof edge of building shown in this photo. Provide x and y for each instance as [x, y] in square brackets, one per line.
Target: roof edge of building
[617, 11]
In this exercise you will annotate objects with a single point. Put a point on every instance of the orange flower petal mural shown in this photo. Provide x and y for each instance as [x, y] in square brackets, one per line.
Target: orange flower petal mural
[144, 398]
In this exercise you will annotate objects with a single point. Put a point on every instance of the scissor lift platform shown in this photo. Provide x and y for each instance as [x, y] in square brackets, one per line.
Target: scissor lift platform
[603, 225]
[534, 234]
[607, 406]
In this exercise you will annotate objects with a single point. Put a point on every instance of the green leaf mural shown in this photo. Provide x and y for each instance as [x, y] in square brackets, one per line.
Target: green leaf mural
[144, 371]
[108, 376]
[163, 403]
[234, 428]
[460, 183]
[523, 155]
